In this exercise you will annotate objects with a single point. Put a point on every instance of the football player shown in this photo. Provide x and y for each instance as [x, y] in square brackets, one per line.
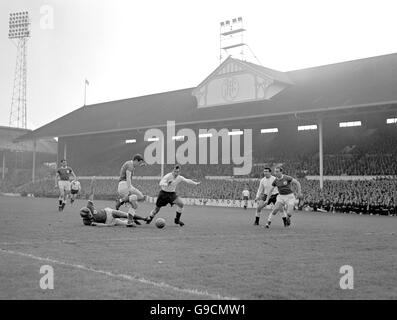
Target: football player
[245, 196]
[167, 194]
[75, 188]
[264, 187]
[285, 198]
[62, 181]
[106, 217]
[127, 193]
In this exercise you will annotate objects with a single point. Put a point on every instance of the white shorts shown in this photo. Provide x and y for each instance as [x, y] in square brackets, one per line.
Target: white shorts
[286, 199]
[124, 191]
[109, 216]
[64, 185]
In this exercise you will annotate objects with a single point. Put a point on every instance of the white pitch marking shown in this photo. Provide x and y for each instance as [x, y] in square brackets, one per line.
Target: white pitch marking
[162, 285]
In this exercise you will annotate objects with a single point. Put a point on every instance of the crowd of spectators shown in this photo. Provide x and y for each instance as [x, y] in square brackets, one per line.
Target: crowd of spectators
[298, 165]
[377, 196]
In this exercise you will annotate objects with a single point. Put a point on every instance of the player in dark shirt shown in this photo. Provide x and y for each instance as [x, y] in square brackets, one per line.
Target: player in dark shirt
[62, 181]
[285, 196]
[127, 193]
[106, 217]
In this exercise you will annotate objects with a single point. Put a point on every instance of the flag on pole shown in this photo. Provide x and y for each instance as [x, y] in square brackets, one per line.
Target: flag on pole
[85, 90]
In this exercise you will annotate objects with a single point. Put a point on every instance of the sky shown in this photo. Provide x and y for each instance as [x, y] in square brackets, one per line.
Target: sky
[128, 48]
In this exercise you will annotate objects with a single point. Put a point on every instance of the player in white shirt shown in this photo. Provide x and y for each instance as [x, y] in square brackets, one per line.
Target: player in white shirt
[75, 188]
[245, 196]
[167, 194]
[265, 186]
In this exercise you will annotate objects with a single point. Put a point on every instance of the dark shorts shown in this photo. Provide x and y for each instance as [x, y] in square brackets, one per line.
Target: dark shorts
[74, 191]
[245, 198]
[165, 198]
[273, 198]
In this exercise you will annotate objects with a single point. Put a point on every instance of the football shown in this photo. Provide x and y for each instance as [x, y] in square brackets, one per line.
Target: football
[160, 223]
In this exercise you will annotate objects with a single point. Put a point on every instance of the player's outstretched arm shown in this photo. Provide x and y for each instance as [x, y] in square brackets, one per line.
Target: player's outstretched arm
[92, 189]
[73, 174]
[190, 181]
[298, 186]
[97, 224]
[56, 179]
[128, 175]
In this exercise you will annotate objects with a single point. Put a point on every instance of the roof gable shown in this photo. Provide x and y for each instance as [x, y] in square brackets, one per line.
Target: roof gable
[235, 81]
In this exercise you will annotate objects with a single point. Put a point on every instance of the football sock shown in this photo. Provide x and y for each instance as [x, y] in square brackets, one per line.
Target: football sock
[178, 216]
[131, 211]
[256, 219]
[152, 213]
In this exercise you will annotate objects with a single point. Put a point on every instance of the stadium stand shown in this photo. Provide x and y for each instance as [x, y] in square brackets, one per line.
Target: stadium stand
[94, 138]
[17, 158]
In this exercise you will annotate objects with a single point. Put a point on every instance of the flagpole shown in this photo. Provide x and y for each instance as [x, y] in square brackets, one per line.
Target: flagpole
[85, 91]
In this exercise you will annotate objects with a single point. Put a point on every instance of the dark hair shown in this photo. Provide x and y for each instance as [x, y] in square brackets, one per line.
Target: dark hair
[63, 160]
[177, 166]
[279, 168]
[268, 169]
[137, 157]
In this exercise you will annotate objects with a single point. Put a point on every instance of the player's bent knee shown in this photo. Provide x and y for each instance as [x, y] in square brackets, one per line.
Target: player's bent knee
[131, 205]
[277, 208]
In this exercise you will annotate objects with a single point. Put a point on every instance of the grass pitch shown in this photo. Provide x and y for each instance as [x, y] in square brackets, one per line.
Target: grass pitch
[219, 254]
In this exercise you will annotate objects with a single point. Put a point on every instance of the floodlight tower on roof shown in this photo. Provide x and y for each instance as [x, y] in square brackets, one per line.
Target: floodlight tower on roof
[231, 37]
[19, 34]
